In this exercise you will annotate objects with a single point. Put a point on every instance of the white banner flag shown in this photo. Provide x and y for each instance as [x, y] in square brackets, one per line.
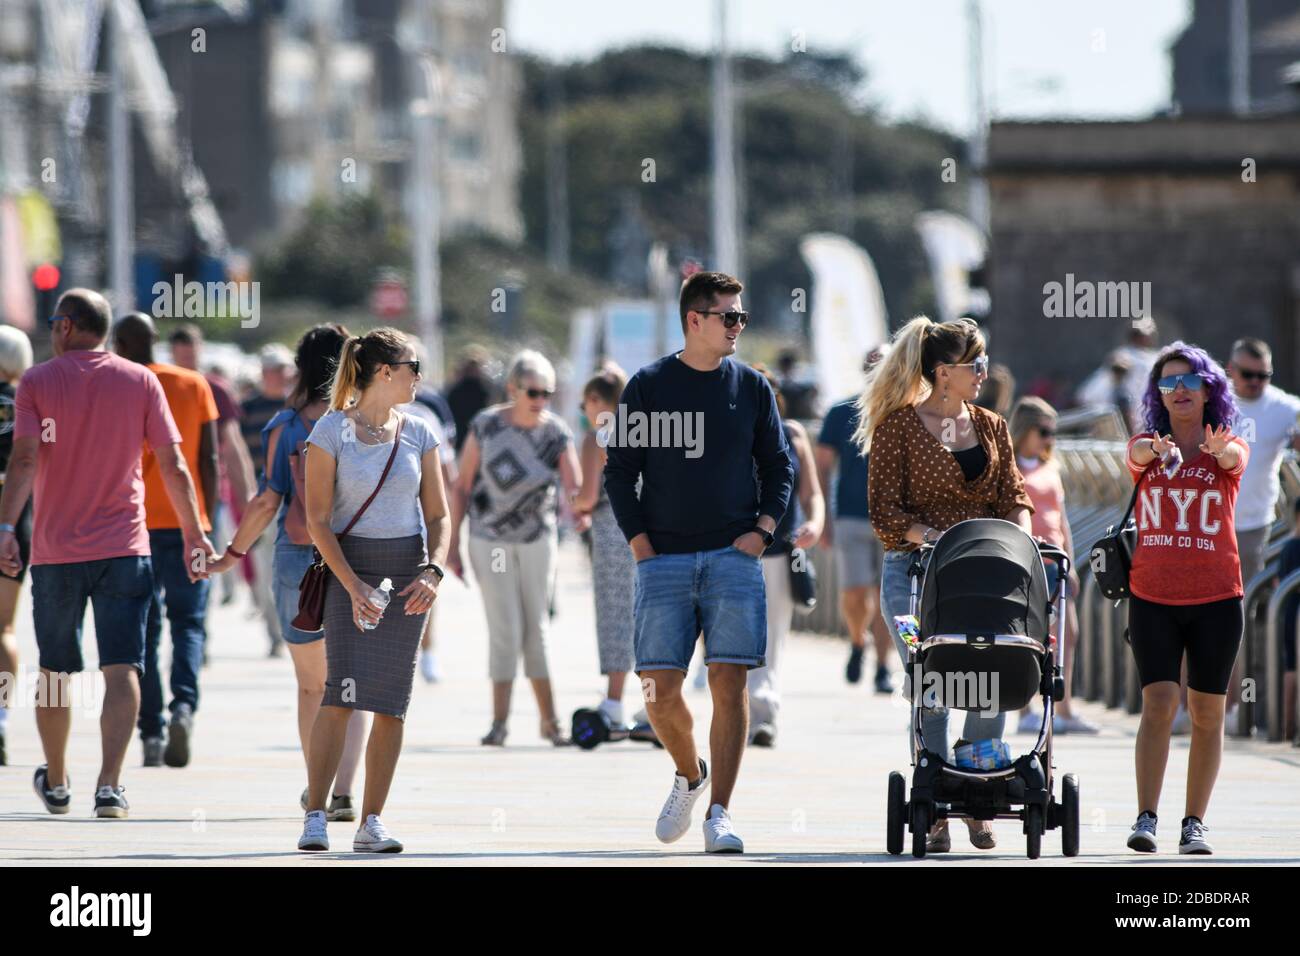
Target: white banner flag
[848, 312]
[955, 248]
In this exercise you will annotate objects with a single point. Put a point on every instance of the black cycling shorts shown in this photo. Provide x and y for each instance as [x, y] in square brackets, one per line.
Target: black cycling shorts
[1209, 634]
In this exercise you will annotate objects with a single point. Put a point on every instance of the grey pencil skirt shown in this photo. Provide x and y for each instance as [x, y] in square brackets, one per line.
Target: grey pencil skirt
[373, 670]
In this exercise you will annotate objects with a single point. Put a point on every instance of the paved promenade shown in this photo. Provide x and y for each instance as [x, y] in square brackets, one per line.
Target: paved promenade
[818, 797]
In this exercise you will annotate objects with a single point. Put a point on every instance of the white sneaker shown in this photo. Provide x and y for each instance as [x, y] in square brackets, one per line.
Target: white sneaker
[429, 667]
[613, 709]
[373, 837]
[1182, 723]
[675, 818]
[1074, 725]
[719, 837]
[1231, 720]
[315, 836]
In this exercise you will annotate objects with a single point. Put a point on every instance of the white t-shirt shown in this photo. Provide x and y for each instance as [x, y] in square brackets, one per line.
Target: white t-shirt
[1267, 424]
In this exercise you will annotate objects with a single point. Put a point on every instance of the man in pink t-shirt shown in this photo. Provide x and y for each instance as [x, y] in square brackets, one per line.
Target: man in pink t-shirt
[81, 421]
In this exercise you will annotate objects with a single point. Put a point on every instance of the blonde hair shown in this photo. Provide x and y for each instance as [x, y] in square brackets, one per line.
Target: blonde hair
[530, 364]
[360, 357]
[1029, 412]
[15, 353]
[905, 375]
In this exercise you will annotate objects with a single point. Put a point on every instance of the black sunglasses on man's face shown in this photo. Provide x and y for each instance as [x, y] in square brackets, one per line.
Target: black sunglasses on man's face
[1252, 376]
[729, 319]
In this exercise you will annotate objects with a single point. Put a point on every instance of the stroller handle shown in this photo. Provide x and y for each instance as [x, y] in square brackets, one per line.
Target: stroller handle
[1050, 552]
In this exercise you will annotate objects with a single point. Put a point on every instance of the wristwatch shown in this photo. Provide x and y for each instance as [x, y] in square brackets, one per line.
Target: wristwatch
[434, 568]
[768, 538]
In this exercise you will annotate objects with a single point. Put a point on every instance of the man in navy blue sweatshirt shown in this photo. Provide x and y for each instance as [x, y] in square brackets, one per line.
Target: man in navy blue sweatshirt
[702, 433]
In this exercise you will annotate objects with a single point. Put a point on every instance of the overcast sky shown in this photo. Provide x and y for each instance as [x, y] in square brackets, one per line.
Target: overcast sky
[1043, 58]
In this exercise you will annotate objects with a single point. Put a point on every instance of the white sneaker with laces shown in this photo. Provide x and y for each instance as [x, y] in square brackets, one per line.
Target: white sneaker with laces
[1193, 839]
[315, 836]
[675, 818]
[1182, 723]
[719, 837]
[1143, 837]
[373, 837]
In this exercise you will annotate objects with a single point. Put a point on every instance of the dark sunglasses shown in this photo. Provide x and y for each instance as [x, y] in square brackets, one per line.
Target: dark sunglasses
[1190, 380]
[536, 393]
[729, 319]
[54, 318]
[1046, 432]
[1254, 376]
[414, 363]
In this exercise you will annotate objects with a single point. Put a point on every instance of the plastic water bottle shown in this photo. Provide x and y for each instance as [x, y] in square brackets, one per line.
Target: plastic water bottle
[379, 597]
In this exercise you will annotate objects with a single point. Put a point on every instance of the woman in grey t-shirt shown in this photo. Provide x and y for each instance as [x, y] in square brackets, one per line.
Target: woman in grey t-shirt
[510, 464]
[370, 651]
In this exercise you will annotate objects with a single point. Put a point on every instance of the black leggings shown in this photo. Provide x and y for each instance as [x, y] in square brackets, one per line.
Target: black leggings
[1209, 634]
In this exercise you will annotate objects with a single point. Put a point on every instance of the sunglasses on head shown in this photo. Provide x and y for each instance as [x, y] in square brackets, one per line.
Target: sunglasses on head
[536, 393]
[414, 363]
[729, 319]
[1190, 380]
[1254, 376]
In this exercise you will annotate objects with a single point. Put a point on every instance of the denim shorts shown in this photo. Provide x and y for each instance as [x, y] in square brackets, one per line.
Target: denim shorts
[290, 564]
[678, 596]
[119, 590]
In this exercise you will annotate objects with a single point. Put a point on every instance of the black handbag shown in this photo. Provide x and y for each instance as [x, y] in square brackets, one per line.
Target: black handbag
[803, 581]
[1112, 556]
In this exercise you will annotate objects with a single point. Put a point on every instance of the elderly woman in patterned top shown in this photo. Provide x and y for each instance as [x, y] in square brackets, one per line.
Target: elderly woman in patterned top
[936, 459]
[515, 455]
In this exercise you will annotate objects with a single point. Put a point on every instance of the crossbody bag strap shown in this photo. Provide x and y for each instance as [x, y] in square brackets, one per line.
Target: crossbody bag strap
[1137, 486]
[397, 439]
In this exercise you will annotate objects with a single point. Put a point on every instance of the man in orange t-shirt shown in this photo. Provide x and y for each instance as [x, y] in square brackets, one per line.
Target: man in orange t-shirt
[194, 409]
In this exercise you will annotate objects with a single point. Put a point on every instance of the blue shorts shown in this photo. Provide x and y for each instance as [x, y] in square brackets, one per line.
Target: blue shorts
[119, 590]
[678, 596]
[289, 565]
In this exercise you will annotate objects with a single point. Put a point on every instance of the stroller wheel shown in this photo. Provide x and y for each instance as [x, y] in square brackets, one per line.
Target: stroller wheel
[897, 810]
[1033, 831]
[1070, 815]
[920, 829]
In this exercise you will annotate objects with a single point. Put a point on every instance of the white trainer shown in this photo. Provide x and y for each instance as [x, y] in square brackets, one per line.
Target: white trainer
[719, 837]
[315, 836]
[675, 818]
[429, 667]
[613, 709]
[373, 837]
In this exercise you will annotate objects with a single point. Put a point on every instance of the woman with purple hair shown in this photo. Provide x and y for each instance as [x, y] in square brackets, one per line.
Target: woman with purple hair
[1185, 578]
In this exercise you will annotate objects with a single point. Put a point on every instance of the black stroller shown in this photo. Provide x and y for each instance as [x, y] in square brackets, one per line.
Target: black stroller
[985, 619]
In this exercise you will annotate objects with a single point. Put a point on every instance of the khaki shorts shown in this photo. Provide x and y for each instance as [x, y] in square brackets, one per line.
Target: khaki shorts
[858, 555]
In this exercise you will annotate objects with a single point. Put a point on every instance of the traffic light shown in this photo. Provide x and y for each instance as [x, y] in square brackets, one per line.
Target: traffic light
[45, 280]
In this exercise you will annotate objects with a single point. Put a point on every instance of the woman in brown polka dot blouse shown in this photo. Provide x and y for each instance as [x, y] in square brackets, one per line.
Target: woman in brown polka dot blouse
[936, 459]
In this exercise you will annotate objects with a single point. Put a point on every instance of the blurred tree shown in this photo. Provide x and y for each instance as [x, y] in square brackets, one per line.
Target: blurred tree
[334, 253]
[814, 159]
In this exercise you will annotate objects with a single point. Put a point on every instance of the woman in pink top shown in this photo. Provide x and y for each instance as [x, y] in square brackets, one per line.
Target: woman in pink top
[1033, 432]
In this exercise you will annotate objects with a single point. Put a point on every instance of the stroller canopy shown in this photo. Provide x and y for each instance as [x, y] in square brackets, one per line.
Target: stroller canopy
[985, 576]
